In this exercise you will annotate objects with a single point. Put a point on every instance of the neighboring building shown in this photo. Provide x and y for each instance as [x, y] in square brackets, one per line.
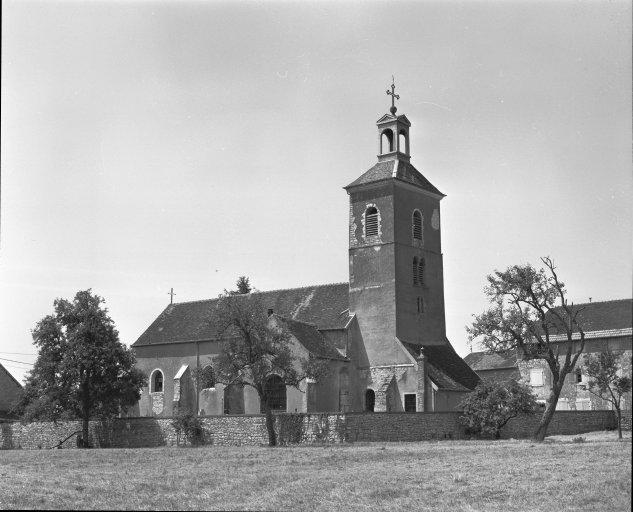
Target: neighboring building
[383, 333]
[607, 325]
[10, 390]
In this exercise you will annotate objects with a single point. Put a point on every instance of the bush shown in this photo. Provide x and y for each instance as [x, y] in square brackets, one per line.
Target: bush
[492, 404]
[188, 425]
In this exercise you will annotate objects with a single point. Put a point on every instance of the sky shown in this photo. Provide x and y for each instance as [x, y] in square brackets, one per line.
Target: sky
[150, 145]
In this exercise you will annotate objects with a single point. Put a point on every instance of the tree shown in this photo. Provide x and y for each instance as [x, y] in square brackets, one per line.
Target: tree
[530, 315]
[255, 346]
[492, 404]
[243, 286]
[606, 380]
[82, 369]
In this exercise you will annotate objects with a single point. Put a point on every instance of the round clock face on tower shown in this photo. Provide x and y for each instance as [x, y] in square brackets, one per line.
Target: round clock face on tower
[435, 219]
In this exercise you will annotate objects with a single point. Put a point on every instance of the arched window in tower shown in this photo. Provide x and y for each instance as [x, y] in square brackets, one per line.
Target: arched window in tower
[421, 266]
[370, 400]
[403, 142]
[156, 382]
[417, 225]
[371, 221]
[386, 141]
[276, 391]
[415, 271]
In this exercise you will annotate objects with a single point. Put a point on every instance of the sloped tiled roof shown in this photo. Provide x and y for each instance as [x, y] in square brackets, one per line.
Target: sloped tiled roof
[325, 306]
[309, 336]
[405, 172]
[444, 359]
[11, 377]
[443, 381]
[606, 315]
[486, 361]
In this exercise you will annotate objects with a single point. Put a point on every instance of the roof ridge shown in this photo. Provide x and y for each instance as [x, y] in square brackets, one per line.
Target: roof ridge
[597, 302]
[265, 291]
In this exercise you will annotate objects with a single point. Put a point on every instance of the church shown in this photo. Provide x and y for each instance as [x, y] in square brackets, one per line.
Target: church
[383, 333]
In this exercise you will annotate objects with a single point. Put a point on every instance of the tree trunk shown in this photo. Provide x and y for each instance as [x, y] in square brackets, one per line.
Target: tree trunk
[539, 435]
[270, 424]
[619, 418]
[85, 414]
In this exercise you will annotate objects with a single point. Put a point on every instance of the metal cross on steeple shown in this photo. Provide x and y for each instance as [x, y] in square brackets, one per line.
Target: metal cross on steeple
[393, 95]
[171, 293]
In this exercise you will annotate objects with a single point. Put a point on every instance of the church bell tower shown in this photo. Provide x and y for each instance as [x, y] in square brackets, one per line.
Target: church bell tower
[395, 256]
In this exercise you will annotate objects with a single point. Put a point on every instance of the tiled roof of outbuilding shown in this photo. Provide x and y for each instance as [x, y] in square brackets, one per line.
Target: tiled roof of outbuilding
[606, 315]
[444, 359]
[486, 361]
[405, 172]
[325, 306]
[309, 336]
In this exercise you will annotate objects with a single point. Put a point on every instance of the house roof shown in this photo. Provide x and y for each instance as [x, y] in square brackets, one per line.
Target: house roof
[310, 337]
[449, 370]
[11, 377]
[326, 306]
[397, 169]
[606, 315]
[486, 361]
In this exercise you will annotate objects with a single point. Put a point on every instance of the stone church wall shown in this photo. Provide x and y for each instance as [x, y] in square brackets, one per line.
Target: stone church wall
[293, 428]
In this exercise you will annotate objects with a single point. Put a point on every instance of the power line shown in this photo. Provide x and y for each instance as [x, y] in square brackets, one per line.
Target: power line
[14, 361]
[17, 353]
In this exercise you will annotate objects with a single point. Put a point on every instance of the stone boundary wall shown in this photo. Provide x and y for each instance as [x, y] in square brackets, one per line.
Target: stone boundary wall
[292, 428]
[626, 419]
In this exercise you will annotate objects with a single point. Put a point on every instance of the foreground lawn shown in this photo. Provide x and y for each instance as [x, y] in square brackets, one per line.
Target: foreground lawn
[447, 475]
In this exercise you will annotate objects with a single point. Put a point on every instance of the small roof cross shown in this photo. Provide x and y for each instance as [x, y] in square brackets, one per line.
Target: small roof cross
[393, 95]
[171, 294]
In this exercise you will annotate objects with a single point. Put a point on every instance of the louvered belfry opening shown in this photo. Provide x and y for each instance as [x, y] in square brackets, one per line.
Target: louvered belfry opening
[415, 271]
[371, 221]
[417, 225]
[421, 272]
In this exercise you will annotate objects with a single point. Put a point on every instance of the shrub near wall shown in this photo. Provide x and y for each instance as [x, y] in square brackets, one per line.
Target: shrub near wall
[292, 429]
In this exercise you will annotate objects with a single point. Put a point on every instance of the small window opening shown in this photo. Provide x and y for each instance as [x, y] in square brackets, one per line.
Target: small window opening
[578, 375]
[409, 402]
[417, 225]
[157, 382]
[536, 377]
[370, 400]
[371, 221]
[420, 305]
[270, 311]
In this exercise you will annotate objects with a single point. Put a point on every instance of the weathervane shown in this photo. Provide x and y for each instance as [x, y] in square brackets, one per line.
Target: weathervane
[393, 95]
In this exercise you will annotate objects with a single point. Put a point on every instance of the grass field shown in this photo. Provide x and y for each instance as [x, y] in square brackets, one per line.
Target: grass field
[450, 475]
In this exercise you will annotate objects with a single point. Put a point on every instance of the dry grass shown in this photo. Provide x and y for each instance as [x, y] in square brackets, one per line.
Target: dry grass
[448, 475]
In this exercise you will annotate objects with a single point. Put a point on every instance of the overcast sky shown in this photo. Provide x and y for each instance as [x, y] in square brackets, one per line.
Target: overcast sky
[149, 145]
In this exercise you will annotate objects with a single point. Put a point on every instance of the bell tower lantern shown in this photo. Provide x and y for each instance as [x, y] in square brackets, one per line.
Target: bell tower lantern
[393, 132]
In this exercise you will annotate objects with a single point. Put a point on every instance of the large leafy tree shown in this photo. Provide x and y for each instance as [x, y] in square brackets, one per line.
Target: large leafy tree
[488, 408]
[82, 369]
[609, 375]
[255, 346]
[529, 315]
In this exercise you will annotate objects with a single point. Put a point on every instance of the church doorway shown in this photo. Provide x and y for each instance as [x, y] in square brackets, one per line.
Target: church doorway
[234, 399]
[276, 391]
[370, 400]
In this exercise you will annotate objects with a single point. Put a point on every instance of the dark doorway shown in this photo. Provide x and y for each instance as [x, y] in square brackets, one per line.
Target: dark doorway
[370, 400]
